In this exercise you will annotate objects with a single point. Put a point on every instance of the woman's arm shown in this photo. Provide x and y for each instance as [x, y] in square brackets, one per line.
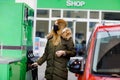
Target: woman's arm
[42, 59]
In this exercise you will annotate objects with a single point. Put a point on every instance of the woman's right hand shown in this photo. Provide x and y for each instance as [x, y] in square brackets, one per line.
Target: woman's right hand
[60, 53]
[35, 64]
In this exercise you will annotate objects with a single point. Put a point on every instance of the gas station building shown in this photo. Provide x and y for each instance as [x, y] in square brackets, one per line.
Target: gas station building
[81, 15]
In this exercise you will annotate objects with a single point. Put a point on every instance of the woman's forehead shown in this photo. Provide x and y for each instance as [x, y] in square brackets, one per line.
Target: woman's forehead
[56, 22]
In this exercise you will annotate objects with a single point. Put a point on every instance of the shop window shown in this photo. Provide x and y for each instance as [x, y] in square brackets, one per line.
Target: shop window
[55, 13]
[52, 23]
[94, 15]
[79, 36]
[43, 13]
[110, 15]
[74, 14]
[40, 34]
[92, 25]
[70, 25]
[41, 28]
[81, 29]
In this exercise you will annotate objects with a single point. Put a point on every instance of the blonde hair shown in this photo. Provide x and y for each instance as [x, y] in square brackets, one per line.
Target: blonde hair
[57, 37]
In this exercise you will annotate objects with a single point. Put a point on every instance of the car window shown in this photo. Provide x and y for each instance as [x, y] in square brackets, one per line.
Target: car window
[107, 52]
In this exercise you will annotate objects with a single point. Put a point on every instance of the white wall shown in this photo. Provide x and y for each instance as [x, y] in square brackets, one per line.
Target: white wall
[31, 3]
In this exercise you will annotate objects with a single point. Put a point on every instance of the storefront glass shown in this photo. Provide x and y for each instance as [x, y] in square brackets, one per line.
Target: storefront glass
[92, 26]
[94, 15]
[74, 14]
[81, 22]
[56, 13]
[41, 28]
[110, 15]
[43, 13]
[81, 30]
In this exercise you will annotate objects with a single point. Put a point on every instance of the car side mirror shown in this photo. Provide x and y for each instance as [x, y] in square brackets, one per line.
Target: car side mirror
[76, 65]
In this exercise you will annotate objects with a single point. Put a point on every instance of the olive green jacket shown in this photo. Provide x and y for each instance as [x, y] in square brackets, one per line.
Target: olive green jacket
[56, 68]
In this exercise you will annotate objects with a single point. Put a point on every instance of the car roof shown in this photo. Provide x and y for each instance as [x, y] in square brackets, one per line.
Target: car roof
[108, 27]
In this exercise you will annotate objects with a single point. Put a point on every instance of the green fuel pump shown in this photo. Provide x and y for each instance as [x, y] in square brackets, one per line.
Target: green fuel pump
[16, 28]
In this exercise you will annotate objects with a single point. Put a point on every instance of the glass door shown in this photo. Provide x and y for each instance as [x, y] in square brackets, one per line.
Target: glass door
[79, 31]
[80, 37]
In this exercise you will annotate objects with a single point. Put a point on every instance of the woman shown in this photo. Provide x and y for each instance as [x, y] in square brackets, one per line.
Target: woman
[58, 50]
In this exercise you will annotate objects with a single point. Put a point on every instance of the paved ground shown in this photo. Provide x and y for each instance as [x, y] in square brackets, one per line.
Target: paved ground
[41, 71]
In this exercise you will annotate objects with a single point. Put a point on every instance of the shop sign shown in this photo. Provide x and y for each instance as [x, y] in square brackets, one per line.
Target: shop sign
[76, 3]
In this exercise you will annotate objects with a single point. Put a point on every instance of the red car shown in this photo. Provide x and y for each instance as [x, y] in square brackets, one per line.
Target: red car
[102, 59]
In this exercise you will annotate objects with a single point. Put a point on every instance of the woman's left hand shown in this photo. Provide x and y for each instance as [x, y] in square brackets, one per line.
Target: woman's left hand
[60, 53]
